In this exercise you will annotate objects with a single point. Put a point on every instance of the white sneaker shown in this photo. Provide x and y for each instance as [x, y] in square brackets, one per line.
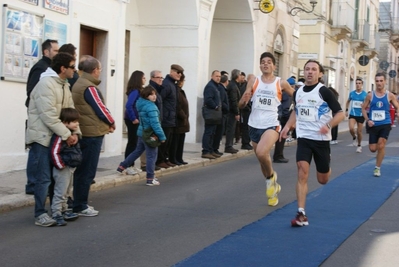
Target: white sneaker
[393, 125]
[45, 220]
[153, 182]
[377, 172]
[89, 212]
[354, 143]
[359, 149]
[131, 171]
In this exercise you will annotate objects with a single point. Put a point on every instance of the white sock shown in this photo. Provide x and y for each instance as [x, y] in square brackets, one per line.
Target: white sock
[302, 210]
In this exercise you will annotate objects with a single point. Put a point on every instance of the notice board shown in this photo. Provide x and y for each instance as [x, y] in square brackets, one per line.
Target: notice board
[22, 34]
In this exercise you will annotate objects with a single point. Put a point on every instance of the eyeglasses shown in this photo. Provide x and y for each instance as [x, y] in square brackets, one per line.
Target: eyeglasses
[178, 71]
[158, 77]
[71, 67]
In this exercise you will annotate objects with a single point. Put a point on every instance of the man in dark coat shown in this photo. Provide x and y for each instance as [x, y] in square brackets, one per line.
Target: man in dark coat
[211, 101]
[169, 101]
[224, 81]
[233, 94]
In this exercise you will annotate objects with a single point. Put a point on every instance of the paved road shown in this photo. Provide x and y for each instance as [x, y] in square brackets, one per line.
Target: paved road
[160, 226]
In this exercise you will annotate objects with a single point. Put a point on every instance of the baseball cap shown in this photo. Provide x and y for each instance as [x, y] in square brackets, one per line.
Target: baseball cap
[291, 81]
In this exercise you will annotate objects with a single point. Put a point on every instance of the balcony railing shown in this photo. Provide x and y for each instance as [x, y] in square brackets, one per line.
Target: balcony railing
[343, 15]
[395, 25]
[363, 31]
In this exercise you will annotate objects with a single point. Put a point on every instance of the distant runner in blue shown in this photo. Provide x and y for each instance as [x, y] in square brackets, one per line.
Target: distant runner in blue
[378, 118]
[354, 108]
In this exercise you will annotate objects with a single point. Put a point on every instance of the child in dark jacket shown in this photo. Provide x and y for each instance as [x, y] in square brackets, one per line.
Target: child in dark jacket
[65, 159]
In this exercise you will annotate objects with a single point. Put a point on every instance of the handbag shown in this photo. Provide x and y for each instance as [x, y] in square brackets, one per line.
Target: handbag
[150, 138]
[212, 116]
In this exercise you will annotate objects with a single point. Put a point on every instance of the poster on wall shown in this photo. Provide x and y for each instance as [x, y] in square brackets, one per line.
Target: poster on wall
[33, 2]
[61, 6]
[20, 43]
[56, 31]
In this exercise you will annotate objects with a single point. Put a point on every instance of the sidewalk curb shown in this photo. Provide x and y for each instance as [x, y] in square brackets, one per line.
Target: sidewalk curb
[20, 200]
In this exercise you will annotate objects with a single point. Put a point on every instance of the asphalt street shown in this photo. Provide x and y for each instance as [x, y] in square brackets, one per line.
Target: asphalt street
[160, 226]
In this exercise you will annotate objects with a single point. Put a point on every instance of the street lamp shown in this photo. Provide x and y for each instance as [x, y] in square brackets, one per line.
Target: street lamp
[295, 10]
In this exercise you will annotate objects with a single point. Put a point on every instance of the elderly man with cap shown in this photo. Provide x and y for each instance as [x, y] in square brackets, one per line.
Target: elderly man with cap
[168, 92]
[284, 111]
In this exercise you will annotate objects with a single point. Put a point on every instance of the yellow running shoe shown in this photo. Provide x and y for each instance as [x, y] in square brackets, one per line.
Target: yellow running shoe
[272, 187]
[273, 201]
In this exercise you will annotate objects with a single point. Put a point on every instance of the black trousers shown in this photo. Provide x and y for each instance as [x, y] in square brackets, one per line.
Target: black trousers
[230, 130]
[245, 140]
[220, 128]
[163, 150]
[131, 137]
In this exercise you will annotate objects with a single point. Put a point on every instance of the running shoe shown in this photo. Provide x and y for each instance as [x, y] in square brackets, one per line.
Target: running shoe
[300, 220]
[377, 172]
[273, 201]
[152, 182]
[359, 149]
[45, 220]
[272, 187]
[354, 142]
[131, 170]
[89, 212]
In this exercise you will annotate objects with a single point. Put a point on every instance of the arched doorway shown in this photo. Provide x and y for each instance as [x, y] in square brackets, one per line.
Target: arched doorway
[232, 37]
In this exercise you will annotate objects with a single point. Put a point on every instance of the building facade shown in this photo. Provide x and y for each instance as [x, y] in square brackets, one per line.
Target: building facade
[389, 39]
[338, 33]
[128, 35]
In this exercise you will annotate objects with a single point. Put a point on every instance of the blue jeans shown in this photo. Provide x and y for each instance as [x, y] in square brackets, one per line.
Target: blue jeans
[86, 172]
[207, 138]
[151, 154]
[40, 157]
[31, 167]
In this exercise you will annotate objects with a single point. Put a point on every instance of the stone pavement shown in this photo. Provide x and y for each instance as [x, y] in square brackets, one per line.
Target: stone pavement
[12, 184]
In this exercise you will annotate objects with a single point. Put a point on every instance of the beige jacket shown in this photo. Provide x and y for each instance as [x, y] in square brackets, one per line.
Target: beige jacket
[49, 96]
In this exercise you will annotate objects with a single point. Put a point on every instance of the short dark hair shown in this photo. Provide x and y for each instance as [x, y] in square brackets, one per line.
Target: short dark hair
[147, 91]
[61, 60]
[269, 55]
[68, 48]
[46, 45]
[321, 69]
[359, 79]
[69, 115]
[381, 74]
[223, 72]
[223, 79]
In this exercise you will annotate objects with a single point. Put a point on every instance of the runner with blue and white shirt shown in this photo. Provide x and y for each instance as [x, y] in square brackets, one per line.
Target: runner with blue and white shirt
[379, 119]
[354, 108]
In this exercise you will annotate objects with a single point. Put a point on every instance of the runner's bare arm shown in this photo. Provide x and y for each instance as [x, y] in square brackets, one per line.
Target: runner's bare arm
[394, 102]
[366, 103]
[248, 92]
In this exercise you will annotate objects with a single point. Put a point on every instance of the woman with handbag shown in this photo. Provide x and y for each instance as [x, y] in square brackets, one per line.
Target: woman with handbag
[150, 134]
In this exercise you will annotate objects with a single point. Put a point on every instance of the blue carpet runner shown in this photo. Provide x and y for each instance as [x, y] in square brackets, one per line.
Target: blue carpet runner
[335, 211]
